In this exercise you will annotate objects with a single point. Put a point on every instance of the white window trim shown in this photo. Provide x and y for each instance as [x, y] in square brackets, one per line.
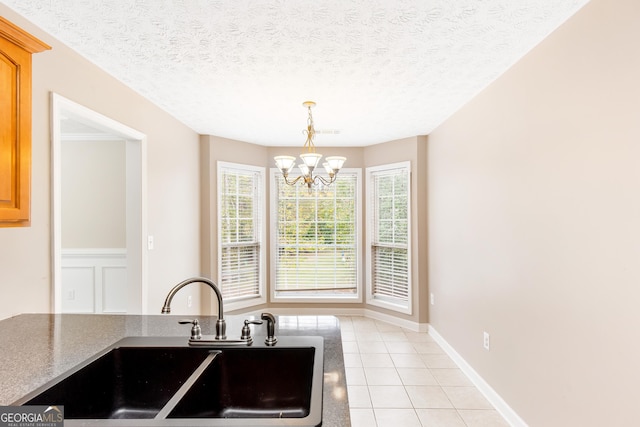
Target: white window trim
[357, 298]
[262, 294]
[371, 299]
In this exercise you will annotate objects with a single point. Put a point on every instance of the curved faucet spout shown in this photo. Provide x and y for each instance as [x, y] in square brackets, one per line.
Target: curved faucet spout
[220, 323]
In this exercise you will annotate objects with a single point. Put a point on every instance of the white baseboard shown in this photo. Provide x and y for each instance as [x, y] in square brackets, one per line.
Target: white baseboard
[403, 323]
[489, 393]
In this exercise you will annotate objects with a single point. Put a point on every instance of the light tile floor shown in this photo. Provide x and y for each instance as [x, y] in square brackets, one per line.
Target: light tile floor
[396, 377]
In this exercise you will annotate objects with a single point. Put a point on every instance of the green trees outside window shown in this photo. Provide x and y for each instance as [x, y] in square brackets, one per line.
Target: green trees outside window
[317, 248]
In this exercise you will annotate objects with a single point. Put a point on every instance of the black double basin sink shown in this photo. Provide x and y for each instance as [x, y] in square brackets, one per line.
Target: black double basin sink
[161, 381]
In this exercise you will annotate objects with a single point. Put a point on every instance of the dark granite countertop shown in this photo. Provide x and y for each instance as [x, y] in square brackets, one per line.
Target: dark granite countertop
[36, 348]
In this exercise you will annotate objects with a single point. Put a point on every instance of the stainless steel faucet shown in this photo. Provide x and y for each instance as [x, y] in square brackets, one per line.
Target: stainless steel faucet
[197, 339]
[221, 326]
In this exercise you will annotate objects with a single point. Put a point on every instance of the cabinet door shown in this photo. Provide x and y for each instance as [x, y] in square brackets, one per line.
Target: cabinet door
[16, 47]
[15, 132]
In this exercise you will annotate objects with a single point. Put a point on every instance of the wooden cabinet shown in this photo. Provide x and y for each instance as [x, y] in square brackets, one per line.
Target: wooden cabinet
[16, 48]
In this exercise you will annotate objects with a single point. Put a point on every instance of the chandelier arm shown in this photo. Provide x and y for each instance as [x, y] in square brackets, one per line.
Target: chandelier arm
[286, 180]
[324, 181]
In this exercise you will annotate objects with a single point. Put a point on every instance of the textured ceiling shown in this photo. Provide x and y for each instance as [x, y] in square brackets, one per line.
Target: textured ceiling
[378, 70]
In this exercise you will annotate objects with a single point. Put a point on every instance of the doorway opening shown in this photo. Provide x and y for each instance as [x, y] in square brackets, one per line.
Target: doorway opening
[99, 212]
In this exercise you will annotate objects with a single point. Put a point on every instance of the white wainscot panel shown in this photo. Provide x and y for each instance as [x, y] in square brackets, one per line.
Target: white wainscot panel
[114, 289]
[78, 286]
[94, 280]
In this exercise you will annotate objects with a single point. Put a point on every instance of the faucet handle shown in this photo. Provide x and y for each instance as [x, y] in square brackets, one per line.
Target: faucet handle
[196, 331]
[246, 331]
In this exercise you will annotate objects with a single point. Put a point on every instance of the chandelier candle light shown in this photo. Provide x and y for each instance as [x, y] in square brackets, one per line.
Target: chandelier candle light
[310, 159]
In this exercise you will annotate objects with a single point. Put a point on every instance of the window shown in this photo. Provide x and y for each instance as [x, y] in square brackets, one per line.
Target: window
[315, 238]
[241, 233]
[388, 240]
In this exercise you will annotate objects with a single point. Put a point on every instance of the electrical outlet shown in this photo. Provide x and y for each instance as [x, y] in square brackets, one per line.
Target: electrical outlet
[432, 299]
[487, 342]
[189, 301]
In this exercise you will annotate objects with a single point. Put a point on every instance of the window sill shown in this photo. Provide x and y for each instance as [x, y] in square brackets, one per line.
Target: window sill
[244, 303]
[321, 298]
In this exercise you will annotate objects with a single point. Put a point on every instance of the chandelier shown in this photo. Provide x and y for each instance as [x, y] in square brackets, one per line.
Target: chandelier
[310, 159]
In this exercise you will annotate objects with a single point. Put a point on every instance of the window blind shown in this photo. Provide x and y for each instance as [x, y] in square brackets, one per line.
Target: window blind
[390, 234]
[316, 247]
[240, 202]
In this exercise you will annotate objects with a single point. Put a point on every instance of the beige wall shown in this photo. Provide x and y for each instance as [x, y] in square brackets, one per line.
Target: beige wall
[172, 181]
[534, 196]
[93, 197]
